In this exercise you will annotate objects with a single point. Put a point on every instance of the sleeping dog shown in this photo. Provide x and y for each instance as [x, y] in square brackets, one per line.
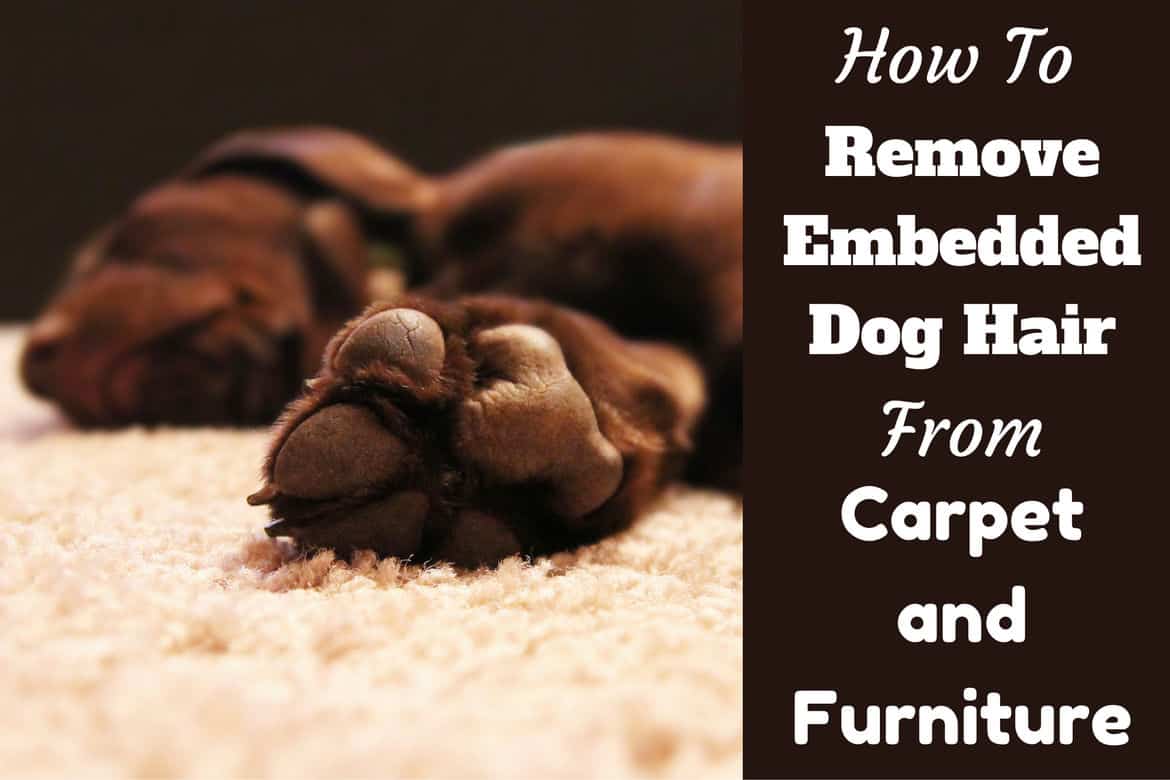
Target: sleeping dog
[570, 336]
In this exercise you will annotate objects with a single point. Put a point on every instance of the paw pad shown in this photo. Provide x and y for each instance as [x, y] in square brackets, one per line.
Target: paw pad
[339, 450]
[404, 338]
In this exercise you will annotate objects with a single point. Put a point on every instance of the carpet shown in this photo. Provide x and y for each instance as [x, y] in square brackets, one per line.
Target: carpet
[147, 628]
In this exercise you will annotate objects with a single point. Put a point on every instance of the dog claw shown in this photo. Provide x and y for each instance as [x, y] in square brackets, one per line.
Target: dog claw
[278, 527]
[264, 495]
[392, 526]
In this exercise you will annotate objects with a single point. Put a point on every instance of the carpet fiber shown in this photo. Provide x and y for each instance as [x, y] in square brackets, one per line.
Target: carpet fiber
[147, 628]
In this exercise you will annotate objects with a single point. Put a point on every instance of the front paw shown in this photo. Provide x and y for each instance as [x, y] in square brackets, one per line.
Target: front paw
[439, 434]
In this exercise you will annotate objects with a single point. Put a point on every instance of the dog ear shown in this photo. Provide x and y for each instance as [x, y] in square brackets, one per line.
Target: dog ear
[364, 204]
[336, 257]
[323, 162]
[344, 268]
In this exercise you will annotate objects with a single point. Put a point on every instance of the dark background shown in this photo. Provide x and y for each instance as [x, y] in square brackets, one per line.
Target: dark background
[101, 100]
[822, 606]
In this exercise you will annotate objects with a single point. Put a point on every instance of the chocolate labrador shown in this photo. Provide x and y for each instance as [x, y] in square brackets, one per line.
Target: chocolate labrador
[572, 335]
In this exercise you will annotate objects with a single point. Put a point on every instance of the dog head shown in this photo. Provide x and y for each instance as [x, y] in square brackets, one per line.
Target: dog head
[211, 298]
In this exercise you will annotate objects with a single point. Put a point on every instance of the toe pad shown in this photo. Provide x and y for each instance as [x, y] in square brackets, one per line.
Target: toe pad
[403, 338]
[339, 450]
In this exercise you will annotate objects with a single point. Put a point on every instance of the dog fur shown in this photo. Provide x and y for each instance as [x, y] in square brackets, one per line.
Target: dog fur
[217, 292]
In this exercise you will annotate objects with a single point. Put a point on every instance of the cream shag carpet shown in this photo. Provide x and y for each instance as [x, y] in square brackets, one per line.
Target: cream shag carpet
[147, 628]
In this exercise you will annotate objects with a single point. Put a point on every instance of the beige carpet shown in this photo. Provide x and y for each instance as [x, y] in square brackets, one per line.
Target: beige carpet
[147, 629]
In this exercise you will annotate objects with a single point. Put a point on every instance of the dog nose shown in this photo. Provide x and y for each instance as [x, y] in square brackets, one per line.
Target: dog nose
[41, 352]
[37, 367]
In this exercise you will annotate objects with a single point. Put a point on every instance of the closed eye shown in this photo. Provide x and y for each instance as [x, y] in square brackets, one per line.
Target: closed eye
[176, 261]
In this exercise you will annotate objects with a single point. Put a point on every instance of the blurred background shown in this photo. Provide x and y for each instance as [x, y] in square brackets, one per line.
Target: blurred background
[102, 100]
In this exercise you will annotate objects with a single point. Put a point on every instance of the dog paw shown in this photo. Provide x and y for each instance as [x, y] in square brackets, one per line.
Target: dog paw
[439, 434]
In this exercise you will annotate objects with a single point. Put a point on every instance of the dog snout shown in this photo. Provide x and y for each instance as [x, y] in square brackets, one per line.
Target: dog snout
[37, 368]
[42, 352]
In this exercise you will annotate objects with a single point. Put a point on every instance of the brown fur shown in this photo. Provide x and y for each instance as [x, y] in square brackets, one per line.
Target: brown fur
[217, 291]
